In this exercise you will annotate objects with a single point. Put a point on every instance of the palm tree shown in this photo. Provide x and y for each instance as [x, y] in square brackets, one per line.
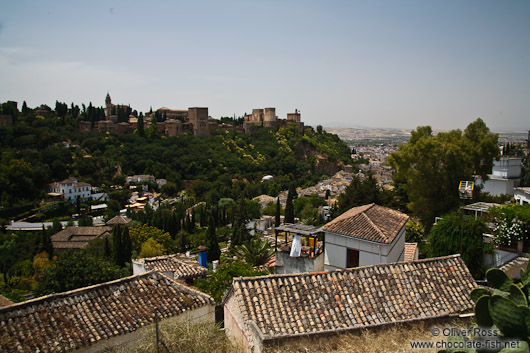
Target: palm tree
[256, 252]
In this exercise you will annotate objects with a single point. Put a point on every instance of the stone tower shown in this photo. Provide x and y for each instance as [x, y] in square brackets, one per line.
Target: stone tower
[198, 117]
[108, 107]
[270, 119]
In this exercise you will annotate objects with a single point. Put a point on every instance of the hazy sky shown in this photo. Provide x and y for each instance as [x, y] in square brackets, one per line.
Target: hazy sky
[349, 63]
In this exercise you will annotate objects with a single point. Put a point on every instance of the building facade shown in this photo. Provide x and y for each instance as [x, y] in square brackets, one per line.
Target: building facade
[504, 178]
[363, 236]
[71, 189]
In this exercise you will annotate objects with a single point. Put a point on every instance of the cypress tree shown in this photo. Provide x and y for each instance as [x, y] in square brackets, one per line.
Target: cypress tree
[277, 215]
[108, 252]
[140, 127]
[126, 245]
[289, 208]
[213, 252]
[240, 232]
[117, 246]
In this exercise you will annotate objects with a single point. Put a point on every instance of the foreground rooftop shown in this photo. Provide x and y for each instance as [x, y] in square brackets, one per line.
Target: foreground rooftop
[82, 317]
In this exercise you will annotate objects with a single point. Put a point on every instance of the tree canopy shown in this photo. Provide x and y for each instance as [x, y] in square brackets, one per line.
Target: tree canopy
[456, 234]
[429, 168]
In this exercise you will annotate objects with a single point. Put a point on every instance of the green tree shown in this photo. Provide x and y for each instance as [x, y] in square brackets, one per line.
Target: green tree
[117, 246]
[212, 243]
[240, 233]
[141, 233]
[108, 251]
[289, 207]
[151, 248]
[218, 282]
[429, 168]
[140, 128]
[126, 245]
[360, 192]
[256, 252]
[277, 215]
[75, 270]
[456, 234]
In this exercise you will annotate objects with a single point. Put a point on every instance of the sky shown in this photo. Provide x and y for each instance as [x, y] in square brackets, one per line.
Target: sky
[373, 63]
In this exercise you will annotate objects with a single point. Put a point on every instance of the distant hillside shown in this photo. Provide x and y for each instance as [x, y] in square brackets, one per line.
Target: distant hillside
[399, 136]
[40, 150]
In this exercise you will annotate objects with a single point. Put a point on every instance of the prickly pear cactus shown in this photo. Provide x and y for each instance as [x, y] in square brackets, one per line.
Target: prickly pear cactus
[506, 307]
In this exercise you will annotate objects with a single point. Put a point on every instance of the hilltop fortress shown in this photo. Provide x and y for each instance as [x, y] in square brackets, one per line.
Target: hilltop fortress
[193, 120]
[268, 119]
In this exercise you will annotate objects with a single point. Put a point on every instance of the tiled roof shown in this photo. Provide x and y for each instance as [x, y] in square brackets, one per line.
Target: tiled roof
[312, 303]
[370, 222]
[72, 320]
[410, 250]
[119, 220]
[178, 264]
[77, 237]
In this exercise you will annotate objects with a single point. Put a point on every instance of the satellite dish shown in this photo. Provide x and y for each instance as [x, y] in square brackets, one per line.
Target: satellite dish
[465, 189]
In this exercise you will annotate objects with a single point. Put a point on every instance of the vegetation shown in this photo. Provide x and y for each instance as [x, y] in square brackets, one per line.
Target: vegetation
[456, 234]
[512, 223]
[43, 148]
[506, 308]
[187, 337]
[139, 234]
[74, 270]
[218, 282]
[256, 252]
[428, 169]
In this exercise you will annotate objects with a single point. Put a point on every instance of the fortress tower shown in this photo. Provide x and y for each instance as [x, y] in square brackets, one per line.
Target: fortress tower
[270, 120]
[198, 117]
[108, 107]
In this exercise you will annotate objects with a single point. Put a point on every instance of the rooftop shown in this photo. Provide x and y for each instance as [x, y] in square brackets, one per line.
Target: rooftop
[119, 220]
[480, 206]
[312, 303]
[82, 317]
[369, 222]
[181, 266]
[77, 237]
[298, 228]
[410, 250]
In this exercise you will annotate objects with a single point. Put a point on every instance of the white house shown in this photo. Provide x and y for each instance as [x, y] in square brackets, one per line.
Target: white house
[505, 176]
[363, 236]
[71, 189]
[522, 195]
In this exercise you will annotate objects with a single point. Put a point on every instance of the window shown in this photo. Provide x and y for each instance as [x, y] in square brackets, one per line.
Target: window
[352, 258]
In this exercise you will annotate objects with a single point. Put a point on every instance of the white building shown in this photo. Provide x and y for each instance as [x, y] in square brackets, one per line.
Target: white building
[363, 236]
[140, 178]
[71, 189]
[522, 195]
[505, 177]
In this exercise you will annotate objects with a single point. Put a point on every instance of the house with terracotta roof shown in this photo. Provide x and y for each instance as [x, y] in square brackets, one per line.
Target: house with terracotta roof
[100, 316]
[363, 236]
[71, 189]
[119, 220]
[176, 266]
[77, 238]
[262, 311]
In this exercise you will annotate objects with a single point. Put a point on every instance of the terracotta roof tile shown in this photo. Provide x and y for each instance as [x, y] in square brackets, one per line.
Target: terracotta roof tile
[370, 222]
[77, 237]
[181, 266]
[283, 305]
[119, 220]
[76, 319]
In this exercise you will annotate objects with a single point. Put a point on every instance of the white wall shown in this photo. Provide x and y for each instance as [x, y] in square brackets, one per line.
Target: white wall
[370, 253]
[498, 187]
